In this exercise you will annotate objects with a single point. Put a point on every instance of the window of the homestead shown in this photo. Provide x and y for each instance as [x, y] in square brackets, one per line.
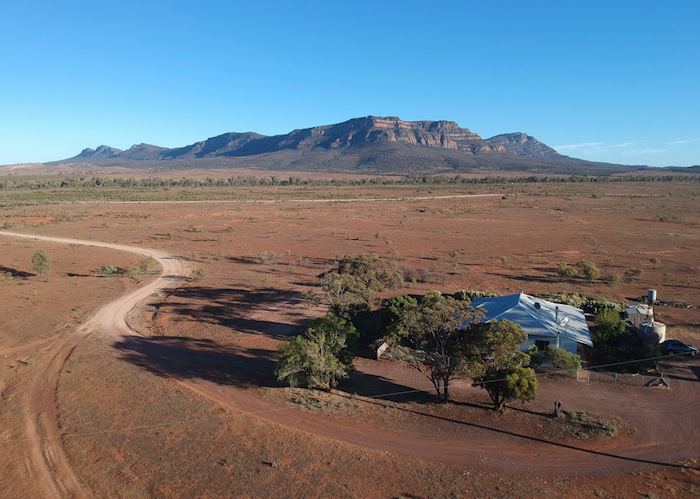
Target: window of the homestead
[541, 345]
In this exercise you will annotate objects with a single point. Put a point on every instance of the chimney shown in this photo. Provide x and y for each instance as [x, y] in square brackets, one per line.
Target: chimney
[556, 314]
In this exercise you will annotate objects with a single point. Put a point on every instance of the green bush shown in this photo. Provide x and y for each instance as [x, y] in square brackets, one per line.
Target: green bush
[505, 385]
[556, 357]
[146, 264]
[563, 359]
[633, 274]
[374, 272]
[588, 270]
[353, 284]
[595, 305]
[563, 270]
[613, 279]
[321, 357]
[608, 325]
[492, 351]
[396, 312]
[41, 264]
[571, 299]
[198, 274]
[471, 294]
[109, 269]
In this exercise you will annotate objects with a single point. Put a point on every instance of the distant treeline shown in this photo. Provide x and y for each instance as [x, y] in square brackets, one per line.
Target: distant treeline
[250, 181]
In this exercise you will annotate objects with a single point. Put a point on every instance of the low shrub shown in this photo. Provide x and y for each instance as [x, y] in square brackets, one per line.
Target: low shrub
[563, 270]
[109, 269]
[633, 274]
[588, 270]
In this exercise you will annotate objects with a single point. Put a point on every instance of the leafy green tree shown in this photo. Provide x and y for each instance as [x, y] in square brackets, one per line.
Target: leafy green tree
[319, 358]
[608, 325]
[513, 383]
[345, 295]
[41, 264]
[396, 310]
[430, 337]
[353, 284]
[497, 364]
[374, 272]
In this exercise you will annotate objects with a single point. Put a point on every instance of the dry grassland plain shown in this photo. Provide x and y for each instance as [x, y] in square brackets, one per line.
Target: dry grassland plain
[190, 406]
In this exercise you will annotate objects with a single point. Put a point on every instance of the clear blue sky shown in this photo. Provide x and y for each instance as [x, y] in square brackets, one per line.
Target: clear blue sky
[611, 81]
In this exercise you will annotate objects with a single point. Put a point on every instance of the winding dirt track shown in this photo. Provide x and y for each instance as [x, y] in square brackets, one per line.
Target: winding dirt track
[661, 437]
[54, 476]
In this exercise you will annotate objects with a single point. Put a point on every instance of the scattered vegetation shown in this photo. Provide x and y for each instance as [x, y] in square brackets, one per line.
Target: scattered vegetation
[266, 257]
[591, 426]
[198, 274]
[147, 184]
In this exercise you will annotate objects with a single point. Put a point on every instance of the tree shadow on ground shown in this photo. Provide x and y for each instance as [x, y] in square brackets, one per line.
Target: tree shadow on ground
[530, 438]
[181, 357]
[379, 387]
[236, 308]
[526, 278]
[16, 273]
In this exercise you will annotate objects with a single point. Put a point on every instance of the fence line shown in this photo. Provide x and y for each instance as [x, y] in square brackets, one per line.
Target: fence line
[658, 379]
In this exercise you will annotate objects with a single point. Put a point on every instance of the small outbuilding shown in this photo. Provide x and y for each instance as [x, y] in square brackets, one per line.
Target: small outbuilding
[639, 313]
[545, 322]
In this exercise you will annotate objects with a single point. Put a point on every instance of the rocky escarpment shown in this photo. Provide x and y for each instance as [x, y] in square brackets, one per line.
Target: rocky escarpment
[521, 144]
[354, 133]
[101, 152]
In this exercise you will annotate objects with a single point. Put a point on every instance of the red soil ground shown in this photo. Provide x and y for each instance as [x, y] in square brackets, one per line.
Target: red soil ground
[192, 408]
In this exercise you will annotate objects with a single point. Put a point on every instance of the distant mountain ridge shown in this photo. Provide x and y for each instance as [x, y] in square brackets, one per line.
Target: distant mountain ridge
[357, 132]
[370, 143]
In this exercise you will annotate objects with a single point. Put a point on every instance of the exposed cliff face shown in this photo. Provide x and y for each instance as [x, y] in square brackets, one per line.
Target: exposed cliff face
[370, 140]
[361, 132]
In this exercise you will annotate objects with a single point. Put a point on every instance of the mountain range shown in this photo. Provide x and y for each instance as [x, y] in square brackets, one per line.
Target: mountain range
[368, 144]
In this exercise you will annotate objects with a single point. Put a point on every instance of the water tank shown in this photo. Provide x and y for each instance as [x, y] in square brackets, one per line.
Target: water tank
[651, 296]
[653, 332]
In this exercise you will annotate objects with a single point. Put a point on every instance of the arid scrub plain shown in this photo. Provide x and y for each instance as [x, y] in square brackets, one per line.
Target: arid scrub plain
[174, 393]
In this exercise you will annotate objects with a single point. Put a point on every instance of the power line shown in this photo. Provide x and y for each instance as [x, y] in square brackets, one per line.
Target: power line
[283, 408]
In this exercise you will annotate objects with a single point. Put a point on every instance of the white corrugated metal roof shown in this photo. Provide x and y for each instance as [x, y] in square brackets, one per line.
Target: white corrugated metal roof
[537, 317]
